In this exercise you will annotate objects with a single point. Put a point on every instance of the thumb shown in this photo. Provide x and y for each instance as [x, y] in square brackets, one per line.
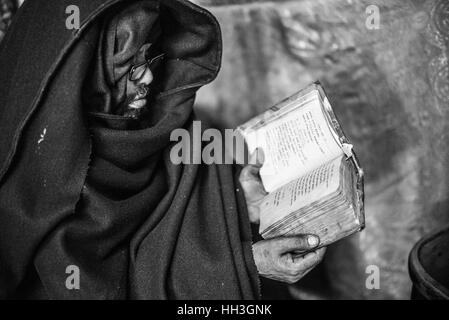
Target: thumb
[299, 243]
[251, 171]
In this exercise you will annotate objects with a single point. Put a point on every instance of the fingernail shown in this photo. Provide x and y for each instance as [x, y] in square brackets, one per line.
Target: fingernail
[313, 240]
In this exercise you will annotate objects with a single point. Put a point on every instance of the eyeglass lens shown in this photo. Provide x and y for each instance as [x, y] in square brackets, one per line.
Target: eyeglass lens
[139, 71]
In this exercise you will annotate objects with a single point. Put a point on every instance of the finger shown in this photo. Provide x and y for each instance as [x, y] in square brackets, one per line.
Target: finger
[256, 160]
[254, 194]
[297, 267]
[309, 260]
[253, 187]
[250, 173]
[298, 243]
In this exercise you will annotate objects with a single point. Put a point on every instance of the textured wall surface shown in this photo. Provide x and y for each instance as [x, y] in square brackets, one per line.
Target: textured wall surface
[390, 89]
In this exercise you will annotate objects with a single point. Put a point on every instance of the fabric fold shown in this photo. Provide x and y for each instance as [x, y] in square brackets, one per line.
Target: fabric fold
[97, 191]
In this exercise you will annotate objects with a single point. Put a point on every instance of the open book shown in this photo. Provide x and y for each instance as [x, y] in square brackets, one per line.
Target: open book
[312, 176]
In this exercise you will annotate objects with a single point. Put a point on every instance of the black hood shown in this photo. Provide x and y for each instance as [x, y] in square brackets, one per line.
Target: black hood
[34, 49]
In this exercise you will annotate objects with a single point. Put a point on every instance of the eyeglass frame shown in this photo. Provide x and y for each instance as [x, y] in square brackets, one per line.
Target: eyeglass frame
[148, 63]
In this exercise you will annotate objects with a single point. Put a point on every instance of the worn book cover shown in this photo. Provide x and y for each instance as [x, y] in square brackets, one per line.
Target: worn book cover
[311, 173]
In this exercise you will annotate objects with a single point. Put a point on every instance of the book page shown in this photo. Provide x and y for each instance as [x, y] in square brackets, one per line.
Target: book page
[294, 144]
[309, 188]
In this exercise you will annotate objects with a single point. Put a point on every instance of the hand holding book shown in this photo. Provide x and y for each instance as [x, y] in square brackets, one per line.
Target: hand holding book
[285, 259]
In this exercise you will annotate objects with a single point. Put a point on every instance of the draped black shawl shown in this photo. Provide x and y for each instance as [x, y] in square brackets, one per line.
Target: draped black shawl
[79, 190]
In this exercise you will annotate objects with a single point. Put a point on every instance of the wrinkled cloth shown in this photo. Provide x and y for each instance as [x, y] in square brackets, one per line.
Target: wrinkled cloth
[99, 192]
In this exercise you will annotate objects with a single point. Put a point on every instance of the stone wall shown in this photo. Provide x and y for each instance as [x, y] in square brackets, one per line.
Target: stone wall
[390, 90]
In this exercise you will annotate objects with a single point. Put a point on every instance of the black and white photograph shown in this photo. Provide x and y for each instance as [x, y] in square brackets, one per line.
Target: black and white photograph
[224, 150]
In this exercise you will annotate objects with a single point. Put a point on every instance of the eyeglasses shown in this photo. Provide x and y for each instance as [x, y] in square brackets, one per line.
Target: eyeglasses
[139, 70]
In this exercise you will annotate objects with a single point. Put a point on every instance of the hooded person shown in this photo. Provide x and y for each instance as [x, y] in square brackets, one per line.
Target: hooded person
[91, 205]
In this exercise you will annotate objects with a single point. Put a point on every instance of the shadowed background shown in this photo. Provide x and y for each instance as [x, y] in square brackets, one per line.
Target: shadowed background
[390, 90]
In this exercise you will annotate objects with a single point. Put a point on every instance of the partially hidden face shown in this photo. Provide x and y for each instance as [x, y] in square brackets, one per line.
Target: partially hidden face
[140, 77]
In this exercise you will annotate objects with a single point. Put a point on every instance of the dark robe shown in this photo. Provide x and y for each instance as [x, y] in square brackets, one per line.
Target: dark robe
[94, 191]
